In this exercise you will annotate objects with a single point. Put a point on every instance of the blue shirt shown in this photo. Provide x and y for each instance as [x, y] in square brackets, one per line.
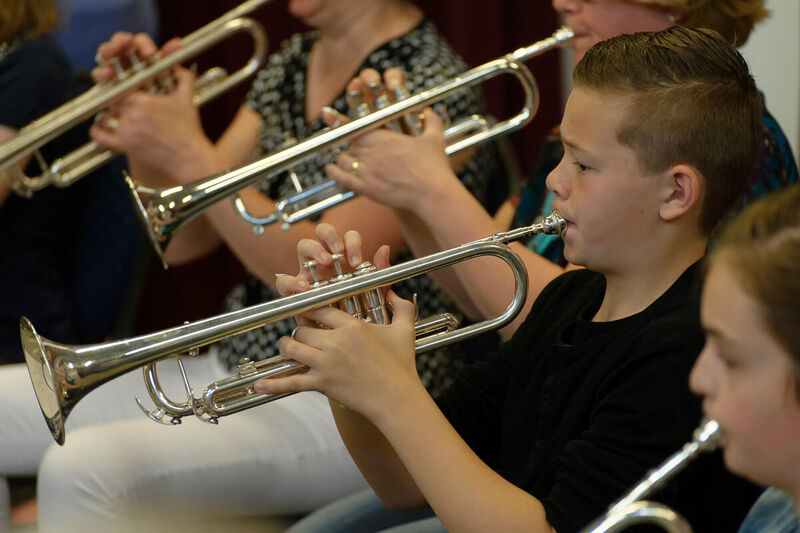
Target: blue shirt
[773, 512]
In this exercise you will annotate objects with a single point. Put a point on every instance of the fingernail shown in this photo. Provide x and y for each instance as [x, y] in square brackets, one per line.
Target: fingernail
[328, 109]
[260, 386]
[280, 275]
[355, 260]
[324, 257]
[303, 284]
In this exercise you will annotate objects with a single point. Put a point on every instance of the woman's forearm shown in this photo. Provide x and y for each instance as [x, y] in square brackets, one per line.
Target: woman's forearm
[422, 242]
[457, 218]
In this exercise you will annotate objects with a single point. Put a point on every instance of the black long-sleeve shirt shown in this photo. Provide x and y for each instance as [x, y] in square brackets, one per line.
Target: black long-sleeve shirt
[575, 412]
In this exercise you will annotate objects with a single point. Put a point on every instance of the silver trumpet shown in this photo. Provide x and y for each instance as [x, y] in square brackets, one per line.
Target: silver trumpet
[64, 171]
[631, 510]
[162, 211]
[62, 375]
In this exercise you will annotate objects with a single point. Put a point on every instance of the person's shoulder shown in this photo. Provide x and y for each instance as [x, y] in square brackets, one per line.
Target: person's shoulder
[576, 280]
[423, 47]
[680, 304]
[570, 290]
[671, 325]
[34, 79]
[38, 60]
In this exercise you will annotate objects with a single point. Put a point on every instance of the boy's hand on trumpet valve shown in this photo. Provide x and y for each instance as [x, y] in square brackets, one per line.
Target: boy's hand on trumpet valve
[366, 367]
[328, 242]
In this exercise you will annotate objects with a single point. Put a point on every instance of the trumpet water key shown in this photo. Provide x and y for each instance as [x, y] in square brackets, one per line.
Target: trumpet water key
[73, 166]
[162, 211]
[62, 374]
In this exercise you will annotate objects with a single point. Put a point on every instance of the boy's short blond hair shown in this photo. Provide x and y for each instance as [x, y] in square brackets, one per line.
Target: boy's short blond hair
[692, 101]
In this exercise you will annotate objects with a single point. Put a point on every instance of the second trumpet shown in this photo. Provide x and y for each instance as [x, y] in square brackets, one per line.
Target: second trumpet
[163, 211]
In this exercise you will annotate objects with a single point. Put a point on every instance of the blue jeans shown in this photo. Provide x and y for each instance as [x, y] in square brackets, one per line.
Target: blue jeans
[363, 512]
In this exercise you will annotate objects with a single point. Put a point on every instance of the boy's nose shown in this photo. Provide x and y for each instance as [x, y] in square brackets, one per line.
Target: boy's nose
[556, 183]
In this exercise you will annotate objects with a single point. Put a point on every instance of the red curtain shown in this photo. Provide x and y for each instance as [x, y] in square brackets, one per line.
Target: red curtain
[480, 30]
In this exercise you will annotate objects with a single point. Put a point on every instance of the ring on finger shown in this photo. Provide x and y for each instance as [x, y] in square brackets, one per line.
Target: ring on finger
[294, 333]
[354, 167]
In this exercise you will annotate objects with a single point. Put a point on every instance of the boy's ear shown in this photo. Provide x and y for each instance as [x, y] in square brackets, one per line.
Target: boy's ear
[682, 191]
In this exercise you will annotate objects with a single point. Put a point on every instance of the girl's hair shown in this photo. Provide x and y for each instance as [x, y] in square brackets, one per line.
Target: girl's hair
[26, 19]
[762, 247]
[733, 19]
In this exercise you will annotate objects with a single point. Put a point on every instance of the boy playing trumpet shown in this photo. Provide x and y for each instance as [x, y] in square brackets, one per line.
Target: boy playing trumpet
[660, 134]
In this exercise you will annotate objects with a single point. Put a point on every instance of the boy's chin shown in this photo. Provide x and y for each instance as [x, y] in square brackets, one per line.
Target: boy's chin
[735, 462]
[573, 256]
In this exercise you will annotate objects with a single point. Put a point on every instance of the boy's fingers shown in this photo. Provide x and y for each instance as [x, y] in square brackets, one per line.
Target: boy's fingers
[296, 383]
[287, 285]
[301, 346]
[381, 258]
[403, 312]
[329, 237]
[329, 316]
[432, 122]
[184, 80]
[312, 249]
[353, 243]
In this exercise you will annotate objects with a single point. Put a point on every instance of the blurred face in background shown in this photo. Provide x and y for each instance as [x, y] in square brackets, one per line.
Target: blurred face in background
[323, 13]
[748, 383]
[597, 20]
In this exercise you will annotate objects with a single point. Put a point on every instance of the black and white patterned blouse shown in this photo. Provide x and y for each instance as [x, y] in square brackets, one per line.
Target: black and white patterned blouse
[279, 95]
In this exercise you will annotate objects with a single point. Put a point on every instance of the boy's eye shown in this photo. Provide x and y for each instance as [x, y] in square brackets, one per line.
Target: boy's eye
[581, 166]
[727, 360]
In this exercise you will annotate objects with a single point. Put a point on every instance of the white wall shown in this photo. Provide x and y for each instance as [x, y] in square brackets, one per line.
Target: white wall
[773, 53]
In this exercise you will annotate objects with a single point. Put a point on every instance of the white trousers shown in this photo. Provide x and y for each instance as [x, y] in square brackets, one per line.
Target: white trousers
[119, 470]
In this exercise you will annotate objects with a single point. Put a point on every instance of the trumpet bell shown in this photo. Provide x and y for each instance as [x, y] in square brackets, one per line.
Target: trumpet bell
[49, 391]
[153, 230]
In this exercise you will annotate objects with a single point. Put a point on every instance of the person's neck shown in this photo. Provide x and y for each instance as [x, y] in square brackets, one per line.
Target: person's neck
[360, 31]
[632, 289]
